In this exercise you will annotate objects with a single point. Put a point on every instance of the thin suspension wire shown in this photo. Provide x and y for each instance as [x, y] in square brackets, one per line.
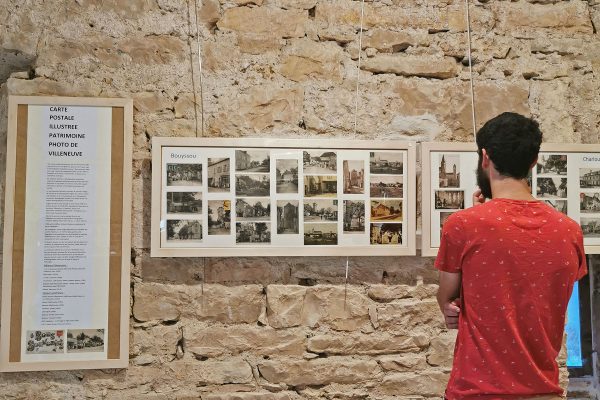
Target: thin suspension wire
[362, 17]
[199, 71]
[471, 69]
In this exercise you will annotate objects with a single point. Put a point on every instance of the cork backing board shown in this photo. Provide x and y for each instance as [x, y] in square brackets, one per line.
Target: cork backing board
[119, 178]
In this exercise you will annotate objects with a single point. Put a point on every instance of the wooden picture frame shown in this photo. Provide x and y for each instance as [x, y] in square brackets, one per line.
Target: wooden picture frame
[248, 186]
[467, 154]
[104, 147]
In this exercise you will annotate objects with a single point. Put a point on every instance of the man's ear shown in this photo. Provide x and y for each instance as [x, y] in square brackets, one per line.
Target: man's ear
[485, 159]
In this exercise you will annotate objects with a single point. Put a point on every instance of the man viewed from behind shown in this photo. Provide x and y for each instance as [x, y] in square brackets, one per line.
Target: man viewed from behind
[507, 270]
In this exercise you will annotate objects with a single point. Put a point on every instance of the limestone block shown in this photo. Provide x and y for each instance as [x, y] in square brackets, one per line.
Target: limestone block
[151, 102]
[185, 106]
[155, 340]
[409, 314]
[441, 349]
[232, 371]
[300, 4]
[482, 18]
[310, 60]
[160, 49]
[548, 104]
[130, 9]
[389, 41]
[324, 305]
[263, 106]
[240, 270]
[258, 43]
[252, 396]
[403, 362]
[284, 305]
[319, 371]
[40, 85]
[429, 383]
[568, 16]
[372, 344]
[264, 20]
[412, 65]
[387, 293]
[174, 127]
[179, 270]
[157, 302]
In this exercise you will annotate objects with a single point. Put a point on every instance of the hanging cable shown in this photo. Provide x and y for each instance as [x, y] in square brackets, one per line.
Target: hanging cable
[468, 16]
[199, 74]
[362, 17]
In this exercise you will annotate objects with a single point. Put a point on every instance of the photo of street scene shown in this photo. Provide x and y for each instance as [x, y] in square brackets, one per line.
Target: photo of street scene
[391, 163]
[320, 186]
[320, 210]
[179, 230]
[449, 199]
[184, 202]
[287, 176]
[387, 186]
[354, 216]
[218, 175]
[589, 178]
[252, 161]
[386, 210]
[288, 217]
[589, 203]
[319, 162]
[551, 188]
[354, 176]
[45, 342]
[257, 185]
[85, 340]
[560, 205]
[449, 171]
[590, 227]
[253, 209]
[386, 234]
[320, 234]
[252, 232]
[184, 174]
[554, 164]
[219, 217]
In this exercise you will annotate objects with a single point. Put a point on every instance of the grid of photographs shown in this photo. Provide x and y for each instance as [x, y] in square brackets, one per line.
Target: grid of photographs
[589, 201]
[386, 191]
[449, 194]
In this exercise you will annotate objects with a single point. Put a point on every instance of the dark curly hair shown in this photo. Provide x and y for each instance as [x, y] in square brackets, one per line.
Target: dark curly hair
[512, 142]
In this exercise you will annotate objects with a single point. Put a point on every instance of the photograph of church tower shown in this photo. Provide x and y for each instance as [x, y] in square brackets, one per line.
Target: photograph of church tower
[449, 167]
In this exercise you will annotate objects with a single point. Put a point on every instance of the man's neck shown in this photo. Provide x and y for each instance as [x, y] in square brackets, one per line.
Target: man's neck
[510, 188]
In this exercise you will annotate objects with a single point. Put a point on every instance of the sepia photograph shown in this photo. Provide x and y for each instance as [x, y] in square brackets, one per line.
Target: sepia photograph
[45, 342]
[184, 202]
[252, 232]
[590, 227]
[184, 174]
[389, 163]
[184, 230]
[219, 217]
[589, 203]
[551, 188]
[320, 234]
[252, 185]
[386, 210]
[252, 161]
[387, 186]
[449, 199]
[320, 210]
[449, 171]
[354, 176]
[287, 176]
[589, 178]
[320, 186]
[559, 205]
[319, 162]
[253, 209]
[444, 215]
[354, 216]
[85, 340]
[554, 164]
[218, 175]
[386, 233]
[288, 217]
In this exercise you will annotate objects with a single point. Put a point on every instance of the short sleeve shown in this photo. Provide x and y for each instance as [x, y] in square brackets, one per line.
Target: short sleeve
[582, 271]
[449, 258]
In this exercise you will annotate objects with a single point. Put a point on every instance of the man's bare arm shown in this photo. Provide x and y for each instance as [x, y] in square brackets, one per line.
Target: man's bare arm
[448, 297]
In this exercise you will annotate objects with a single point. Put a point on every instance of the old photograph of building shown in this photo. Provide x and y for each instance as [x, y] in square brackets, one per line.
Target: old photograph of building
[252, 232]
[387, 186]
[253, 209]
[218, 175]
[255, 185]
[85, 340]
[219, 217]
[589, 178]
[444, 215]
[184, 174]
[320, 210]
[589, 202]
[288, 217]
[559, 205]
[590, 227]
[554, 164]
[386, 233]
[320, 186]
[319, 162]
[184, 202]
[45, 342]
[449, 171]
[319, 234]
[184, 230]
[354, 216]
[354, 176]
[386, 210]
[391, 163]
[287, 176]
[551, 188]
[252, 161]
[449, 199]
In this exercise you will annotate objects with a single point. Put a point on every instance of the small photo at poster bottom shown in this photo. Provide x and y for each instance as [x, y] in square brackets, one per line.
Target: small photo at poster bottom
[590, 227]
[181, 230]
[45, 342]
[85, 340]
[321, 234]
[388, 233]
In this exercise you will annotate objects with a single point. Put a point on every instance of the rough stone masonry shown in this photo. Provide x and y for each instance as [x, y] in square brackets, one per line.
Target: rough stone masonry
[278, 328]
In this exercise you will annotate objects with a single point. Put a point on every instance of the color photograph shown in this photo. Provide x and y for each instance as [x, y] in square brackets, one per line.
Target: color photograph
[252, 232]
[449, 171]
[554, 164]
[184, 202]
[320, 186]
[386, 234]
[253, 209]
[449, 199]
[218, 175]
[45, 342]
[389, 163]
[354, 216]
[319, 162]
[387, 186]
[287, 176]
[354, 176]
[589, 178]
[180, 230]
[257, 185]
[219, 217]
[288, 217]
[386, 210]
[252, 161]
[184, 174]
[320, 210]
[551, 188]
[85, 340]
[320, 234]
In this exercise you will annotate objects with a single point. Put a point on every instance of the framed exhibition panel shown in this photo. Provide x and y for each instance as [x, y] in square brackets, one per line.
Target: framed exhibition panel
[282, 197]
[567, 176]
[65, 278]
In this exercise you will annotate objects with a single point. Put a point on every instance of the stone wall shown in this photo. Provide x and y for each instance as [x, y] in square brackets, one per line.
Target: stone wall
[279, 328]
